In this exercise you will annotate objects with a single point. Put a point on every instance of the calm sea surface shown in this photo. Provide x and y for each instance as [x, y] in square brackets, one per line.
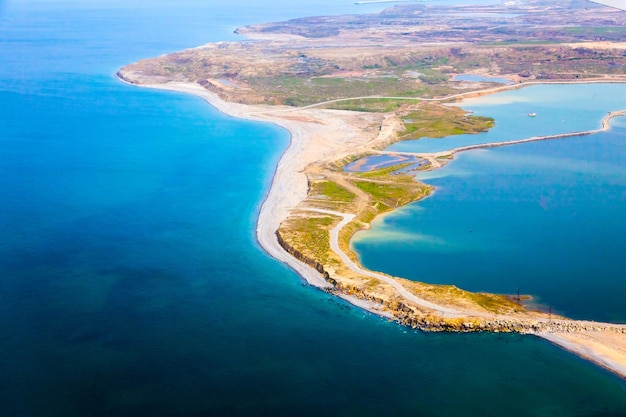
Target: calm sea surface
[132, 284]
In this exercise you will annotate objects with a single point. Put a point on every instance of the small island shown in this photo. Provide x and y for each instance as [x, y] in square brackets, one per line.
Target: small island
[347, 87]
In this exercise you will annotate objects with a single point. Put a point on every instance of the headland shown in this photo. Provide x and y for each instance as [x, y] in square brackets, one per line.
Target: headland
[313, 206]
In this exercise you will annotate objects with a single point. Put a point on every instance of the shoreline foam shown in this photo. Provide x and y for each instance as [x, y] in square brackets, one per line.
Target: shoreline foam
[289, 187]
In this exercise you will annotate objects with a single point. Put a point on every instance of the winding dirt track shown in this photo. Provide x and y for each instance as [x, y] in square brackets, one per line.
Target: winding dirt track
[334, 245]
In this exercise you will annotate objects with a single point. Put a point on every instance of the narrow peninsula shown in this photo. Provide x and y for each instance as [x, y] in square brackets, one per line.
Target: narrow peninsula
[347, 87]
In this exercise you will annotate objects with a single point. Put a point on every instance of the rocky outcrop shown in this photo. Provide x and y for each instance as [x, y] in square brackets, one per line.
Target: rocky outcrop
[302, 258]
[507, 325]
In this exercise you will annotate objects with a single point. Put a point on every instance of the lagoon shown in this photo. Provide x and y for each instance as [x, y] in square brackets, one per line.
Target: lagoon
[545, 217]
[559, 108]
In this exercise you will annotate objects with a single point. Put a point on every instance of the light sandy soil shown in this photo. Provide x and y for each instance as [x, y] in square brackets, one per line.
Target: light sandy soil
[605, 349]
[319, 136]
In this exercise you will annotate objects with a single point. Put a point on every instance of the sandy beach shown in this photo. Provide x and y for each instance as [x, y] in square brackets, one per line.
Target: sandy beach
[607, 350]
[318, 136]
[315, 135]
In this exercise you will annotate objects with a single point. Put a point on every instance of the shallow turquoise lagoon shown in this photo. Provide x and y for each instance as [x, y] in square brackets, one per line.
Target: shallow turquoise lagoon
[559, 108]
[132, 284]
[545, 217]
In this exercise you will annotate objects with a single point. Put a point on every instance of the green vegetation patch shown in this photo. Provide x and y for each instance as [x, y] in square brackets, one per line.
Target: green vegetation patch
[384, 172]
[602, 30]
[331, 191]
[433, 77]
[304, 90]
[495, 303]
[436, 121]
[374, 105]
[387, 194]
[389, 191]
[310, 235]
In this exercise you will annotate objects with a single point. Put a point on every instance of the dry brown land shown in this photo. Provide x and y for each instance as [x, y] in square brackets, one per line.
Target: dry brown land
[407, 51]
[392, 64]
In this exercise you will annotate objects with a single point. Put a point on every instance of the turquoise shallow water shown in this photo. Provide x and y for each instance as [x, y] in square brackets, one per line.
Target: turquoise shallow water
[545, 217]
[131, 281]
[559, 108]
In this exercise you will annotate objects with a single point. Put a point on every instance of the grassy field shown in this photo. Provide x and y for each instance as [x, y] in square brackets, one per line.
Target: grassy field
[451, 294]
[329, 195]
[295, 90]
[436, 121]
[378, 105]
[309, 235]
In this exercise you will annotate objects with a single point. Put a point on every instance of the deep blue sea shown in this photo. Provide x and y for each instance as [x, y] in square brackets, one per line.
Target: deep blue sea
[131, 282]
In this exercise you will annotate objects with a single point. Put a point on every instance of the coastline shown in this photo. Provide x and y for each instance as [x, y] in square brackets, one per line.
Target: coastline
[288, 186]
[285, 190]
[309, 131]
[593, 348]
